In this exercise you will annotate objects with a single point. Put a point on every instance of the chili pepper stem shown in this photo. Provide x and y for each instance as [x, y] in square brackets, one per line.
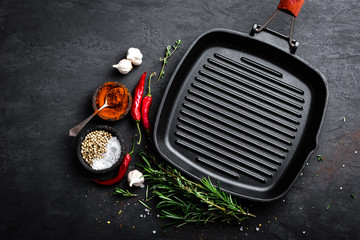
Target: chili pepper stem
[151, 75]
[138, 127]
[132, 148]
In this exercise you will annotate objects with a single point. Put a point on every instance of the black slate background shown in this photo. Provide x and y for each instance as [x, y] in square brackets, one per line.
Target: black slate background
[54, 54]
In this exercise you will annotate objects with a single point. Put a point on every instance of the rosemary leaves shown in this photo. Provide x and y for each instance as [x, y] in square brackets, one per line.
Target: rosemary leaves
[184, 201]
[123, 193]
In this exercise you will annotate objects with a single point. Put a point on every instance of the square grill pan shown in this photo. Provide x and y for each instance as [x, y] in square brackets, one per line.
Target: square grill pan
[243, 112]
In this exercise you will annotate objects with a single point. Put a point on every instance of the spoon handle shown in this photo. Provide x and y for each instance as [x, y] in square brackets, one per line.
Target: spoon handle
[75, 130]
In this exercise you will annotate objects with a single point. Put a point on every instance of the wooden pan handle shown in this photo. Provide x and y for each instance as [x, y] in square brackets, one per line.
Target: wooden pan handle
[291, 7]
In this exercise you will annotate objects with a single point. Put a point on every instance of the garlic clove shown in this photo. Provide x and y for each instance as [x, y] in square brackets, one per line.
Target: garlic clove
[135, 178]
[135, 56]
[135, 183]
[124, 66]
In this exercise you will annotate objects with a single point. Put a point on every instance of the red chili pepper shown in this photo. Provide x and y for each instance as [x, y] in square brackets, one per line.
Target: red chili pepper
[145, 107]
[136, 104]
[122, 170]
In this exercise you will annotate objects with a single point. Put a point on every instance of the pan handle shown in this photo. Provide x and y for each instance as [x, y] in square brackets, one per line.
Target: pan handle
[291, 7]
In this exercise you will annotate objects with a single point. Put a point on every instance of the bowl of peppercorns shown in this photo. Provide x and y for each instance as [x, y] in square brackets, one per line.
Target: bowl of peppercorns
[100, 149]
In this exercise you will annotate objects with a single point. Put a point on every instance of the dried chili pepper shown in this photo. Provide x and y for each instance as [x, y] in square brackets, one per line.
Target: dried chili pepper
[122, 170]
[145, 107]
[136, 104]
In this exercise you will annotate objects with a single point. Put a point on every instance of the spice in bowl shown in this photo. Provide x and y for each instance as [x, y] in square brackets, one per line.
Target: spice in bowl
[121, 96]
[100, 149]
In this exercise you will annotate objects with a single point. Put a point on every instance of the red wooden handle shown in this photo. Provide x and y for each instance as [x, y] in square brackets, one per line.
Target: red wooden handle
[291, 7]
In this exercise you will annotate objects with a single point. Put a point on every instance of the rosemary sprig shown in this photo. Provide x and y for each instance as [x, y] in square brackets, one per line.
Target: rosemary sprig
[147, 193]
[185, 201]
[124, 193]
[144, 204]
[169, 51]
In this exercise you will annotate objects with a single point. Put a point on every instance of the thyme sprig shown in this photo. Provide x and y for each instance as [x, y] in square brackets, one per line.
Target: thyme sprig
[169, 51]
[185, 201]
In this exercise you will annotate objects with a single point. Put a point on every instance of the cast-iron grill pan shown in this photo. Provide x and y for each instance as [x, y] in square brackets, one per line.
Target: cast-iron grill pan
[243, 112]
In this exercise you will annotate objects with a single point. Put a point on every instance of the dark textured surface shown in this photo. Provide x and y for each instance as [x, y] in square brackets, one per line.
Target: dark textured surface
[54, 54]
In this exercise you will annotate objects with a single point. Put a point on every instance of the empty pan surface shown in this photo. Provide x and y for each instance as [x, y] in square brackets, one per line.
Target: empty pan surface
[243, 112]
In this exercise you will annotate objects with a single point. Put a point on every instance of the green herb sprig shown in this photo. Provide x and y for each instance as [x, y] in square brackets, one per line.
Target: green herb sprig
[124, 193]
[319, 158]
[169, 51]
[144, 204]
[184, 201]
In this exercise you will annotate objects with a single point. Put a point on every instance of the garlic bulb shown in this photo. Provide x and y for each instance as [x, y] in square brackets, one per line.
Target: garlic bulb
[135, 56]
[135, 178]
[124, 66]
